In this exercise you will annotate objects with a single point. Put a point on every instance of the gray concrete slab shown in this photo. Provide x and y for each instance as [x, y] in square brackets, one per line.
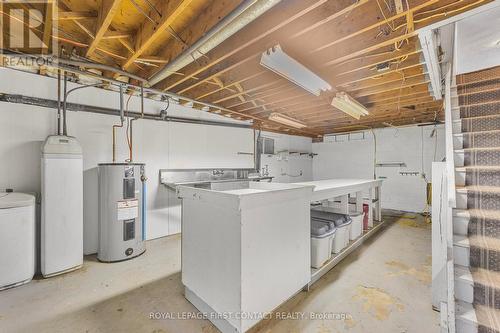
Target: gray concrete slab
[384, 286]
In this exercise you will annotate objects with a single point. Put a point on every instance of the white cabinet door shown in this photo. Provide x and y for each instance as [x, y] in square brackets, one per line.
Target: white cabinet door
[231, 147]
[197, 147]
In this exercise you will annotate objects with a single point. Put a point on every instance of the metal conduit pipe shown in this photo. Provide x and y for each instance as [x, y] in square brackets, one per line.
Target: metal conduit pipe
[66, 94]
[122, 118]
[94, 65]
[173, 96]
[240, 17]
[146, 90]
[47, 103]
[59, 102]
[65, 130]
[131, 134]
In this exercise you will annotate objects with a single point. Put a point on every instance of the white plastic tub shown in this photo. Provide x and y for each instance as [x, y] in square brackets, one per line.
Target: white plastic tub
[356, 225]
[322, 236]
[341, 237]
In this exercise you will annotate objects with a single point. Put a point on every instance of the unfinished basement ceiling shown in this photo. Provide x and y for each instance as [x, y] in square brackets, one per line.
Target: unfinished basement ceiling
[346, 42]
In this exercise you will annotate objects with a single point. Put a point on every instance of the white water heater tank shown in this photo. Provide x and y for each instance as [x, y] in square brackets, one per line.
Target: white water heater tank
[122, 214]
[62, 206]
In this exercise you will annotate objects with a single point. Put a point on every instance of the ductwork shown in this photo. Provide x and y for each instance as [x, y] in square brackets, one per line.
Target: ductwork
[243, 15]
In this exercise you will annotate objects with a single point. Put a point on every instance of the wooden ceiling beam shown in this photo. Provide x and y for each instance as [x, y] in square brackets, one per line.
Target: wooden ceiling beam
[390, 86]
[219, 72]
[361, 76]
[228, 85]
[261, 30]
[391, 74]
[391, 89]
[149, 32]
[410, 115]
[409, 53]
[108, 10]
[379, 24]
[73, 15]
[85, 28]
[402, 79]
[351, 50]
[260, 97]
[273, 103]
[389, 96]
[117, 34]
[399, 101]
[245, 92]
[314, 111]
[211, 15]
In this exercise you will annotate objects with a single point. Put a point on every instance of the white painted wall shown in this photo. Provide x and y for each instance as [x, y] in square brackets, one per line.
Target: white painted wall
[23, 128]
[355, 159]
[288, 168]
[478, 41]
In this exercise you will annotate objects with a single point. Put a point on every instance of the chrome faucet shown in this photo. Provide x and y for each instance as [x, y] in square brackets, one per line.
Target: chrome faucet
[265, 170]
[217, 172]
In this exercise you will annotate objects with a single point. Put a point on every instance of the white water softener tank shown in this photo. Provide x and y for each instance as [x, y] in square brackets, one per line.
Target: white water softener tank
[62, 205]
[17, 238]
[122, 207]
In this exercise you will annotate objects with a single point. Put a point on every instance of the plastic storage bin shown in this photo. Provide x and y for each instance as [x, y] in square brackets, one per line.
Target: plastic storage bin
[356, 225]
[366, 209]
[322, 235]
[342, 223]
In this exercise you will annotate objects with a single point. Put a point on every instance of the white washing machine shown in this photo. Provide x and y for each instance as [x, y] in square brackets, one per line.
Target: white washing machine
[17, 239]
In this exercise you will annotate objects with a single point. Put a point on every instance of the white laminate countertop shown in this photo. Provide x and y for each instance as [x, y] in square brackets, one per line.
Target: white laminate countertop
[329, 188]
[320, 185]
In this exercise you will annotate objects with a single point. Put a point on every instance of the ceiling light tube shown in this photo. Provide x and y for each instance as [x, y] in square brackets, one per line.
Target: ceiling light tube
[349, 105]
[285, 120]
[282, 64]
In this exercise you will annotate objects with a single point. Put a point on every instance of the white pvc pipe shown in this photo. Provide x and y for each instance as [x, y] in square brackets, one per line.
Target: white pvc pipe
[243, 15]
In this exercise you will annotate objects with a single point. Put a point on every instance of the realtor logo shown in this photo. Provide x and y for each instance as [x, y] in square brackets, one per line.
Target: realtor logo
[28, 27]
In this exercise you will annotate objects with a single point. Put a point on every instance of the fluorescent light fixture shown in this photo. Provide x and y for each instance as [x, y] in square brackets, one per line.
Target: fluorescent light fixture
[282, 64]
[285, 120]
[349, 105]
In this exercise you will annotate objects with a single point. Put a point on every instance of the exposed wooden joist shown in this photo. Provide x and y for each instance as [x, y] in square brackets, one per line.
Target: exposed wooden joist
[116, 35]
[228, 85]
[382, 76]
[73, 15]
[391, 89]
[376, 25]
[283, 16]
[149, 32]
[197, 29]
[106, 13]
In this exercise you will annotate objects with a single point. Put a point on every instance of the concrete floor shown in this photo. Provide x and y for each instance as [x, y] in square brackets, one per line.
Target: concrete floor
[384, 286]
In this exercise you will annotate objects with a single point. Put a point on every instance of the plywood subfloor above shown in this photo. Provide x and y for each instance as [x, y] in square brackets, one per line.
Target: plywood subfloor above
[345, 42]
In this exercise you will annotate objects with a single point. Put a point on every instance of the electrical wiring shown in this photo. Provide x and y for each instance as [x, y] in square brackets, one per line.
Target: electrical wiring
[438, 9]
[385, 17]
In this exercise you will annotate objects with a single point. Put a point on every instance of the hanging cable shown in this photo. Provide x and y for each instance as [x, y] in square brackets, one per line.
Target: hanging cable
[58, 102]
[65, 131]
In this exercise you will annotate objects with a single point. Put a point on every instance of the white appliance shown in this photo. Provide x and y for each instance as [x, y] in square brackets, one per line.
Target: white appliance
[17, 238]
[121, 211]
[62, 205]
